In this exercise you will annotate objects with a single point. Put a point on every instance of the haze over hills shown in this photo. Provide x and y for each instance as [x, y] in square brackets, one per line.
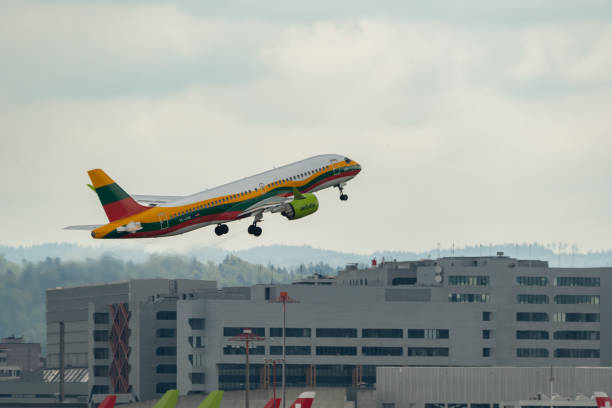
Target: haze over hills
[291, 257]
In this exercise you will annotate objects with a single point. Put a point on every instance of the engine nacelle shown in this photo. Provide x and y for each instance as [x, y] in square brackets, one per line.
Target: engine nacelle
[299, 208]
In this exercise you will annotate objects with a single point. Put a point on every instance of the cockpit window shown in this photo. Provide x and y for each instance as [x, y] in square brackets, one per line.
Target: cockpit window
[347, 160]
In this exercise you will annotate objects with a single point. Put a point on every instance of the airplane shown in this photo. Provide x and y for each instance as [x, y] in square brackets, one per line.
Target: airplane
[287, 190]
[602, 399]
[213, 400]
[108, 402]
[304, 400]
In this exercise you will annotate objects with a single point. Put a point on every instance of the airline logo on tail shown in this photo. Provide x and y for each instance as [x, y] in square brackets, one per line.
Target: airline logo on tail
[109, 402]
[603, 401]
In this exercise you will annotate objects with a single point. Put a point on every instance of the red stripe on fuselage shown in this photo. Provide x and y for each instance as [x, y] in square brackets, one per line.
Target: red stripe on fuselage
[123, 208]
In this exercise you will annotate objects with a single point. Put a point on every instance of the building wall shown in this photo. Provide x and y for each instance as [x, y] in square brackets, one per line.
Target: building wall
[417, 386]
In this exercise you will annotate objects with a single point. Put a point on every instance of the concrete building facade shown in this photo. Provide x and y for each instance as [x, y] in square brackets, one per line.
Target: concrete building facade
[19, 355]
[458, 311]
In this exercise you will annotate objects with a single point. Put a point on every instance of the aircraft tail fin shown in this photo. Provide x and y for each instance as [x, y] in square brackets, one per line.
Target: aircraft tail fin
[116, 202]
[273, 403]
[108, 402]
[304, 400]
[168, 400]
[603, 400]
[213, 400]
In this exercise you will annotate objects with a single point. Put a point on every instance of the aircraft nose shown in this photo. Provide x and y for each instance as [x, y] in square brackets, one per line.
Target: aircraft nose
[358, 167]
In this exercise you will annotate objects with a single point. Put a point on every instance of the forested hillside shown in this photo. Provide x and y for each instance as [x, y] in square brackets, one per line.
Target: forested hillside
[23, 285]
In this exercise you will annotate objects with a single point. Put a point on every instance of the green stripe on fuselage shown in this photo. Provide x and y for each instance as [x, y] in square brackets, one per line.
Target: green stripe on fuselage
[111, 193]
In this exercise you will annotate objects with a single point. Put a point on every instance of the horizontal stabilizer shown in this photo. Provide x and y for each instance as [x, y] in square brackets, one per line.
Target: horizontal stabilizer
[82, 227]
[156, 199]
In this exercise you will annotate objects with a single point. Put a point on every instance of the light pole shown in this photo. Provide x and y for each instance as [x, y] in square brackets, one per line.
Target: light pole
[284, 299]
[274, 362]
[247, 336]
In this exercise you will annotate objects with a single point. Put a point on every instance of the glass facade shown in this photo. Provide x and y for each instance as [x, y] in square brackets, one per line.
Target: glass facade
[428, 351]
[577, 299]
[336, 332]
[560, 317]
[576, 353]
[532, 280]
[462, 280]
[468, 297]
[428, 333]
[235, 331]
[532, 335]
[166, 315]
[336, 351]
[290, 332]
[576, 335]
[258, 350]
[382, 333]
[577, 281]
[531, 352]
[531, 299]
[382, 351]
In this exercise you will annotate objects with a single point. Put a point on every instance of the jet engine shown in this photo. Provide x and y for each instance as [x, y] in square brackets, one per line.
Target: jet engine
[301, 207]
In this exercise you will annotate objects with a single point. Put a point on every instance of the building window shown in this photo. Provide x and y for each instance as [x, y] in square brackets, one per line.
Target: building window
[100, 353]
[161, 388]
[100, 335]
[577, 281]
[428, 333]
[166, 351]
[101, 318]
[235, 331]
[196, 378]
[434, 405]
[468, 297]
[561, 317]
[576, 335]
[336, 332]
[298, 350]
[486, 334]
[577, 299]
[428, 351]
[290, 332]
[486, 316]
[382, 351]
[100, 371]
[403, 281]
[531, 317]
[531, 352]
[241, 350]
[100, 389]
[577, 353]
[197, 324]
[532, 299]
[486, 352]
[166, 333]
[382, 333]
[532, 335]
[166, 369]
[532, 280]
[336, 351]
[468, 280]
[166, 315]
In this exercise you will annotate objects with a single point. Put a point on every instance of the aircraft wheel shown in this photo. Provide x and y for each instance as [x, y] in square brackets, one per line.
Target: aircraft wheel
[257, 231]
[250, 229]
[343, 197]
[225, 228]
[219, 230]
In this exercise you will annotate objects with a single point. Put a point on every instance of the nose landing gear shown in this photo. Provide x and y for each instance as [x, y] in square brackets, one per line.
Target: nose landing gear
[343, 197]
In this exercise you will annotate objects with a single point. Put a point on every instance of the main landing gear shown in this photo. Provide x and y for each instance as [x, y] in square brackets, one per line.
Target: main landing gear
[253, 228]
[221, 229]
[343, 197]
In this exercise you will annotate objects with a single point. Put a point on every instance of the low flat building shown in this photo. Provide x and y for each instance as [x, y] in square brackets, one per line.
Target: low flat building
[144, 337]
[15, 352]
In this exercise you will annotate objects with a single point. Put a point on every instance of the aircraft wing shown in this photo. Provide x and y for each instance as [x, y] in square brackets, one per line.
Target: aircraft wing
[83, 227]
[155, 199]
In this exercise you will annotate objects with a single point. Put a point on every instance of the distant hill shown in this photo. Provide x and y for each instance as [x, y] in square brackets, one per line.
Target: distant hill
[292, 257]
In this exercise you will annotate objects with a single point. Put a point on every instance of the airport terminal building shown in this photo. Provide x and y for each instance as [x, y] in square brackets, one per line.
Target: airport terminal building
[146, 336]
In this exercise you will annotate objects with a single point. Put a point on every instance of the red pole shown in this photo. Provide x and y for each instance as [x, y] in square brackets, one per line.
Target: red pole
[248, 375]
[275, 384]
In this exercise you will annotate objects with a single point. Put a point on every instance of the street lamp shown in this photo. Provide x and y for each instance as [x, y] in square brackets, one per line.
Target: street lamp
[247, 336]
[284, 299]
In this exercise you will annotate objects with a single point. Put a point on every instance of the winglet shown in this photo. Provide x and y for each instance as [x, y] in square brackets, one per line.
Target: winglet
[168, 400]
[296, 194]
[213, 400]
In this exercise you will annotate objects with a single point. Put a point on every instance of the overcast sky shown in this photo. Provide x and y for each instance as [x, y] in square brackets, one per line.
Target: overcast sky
[474, 121]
